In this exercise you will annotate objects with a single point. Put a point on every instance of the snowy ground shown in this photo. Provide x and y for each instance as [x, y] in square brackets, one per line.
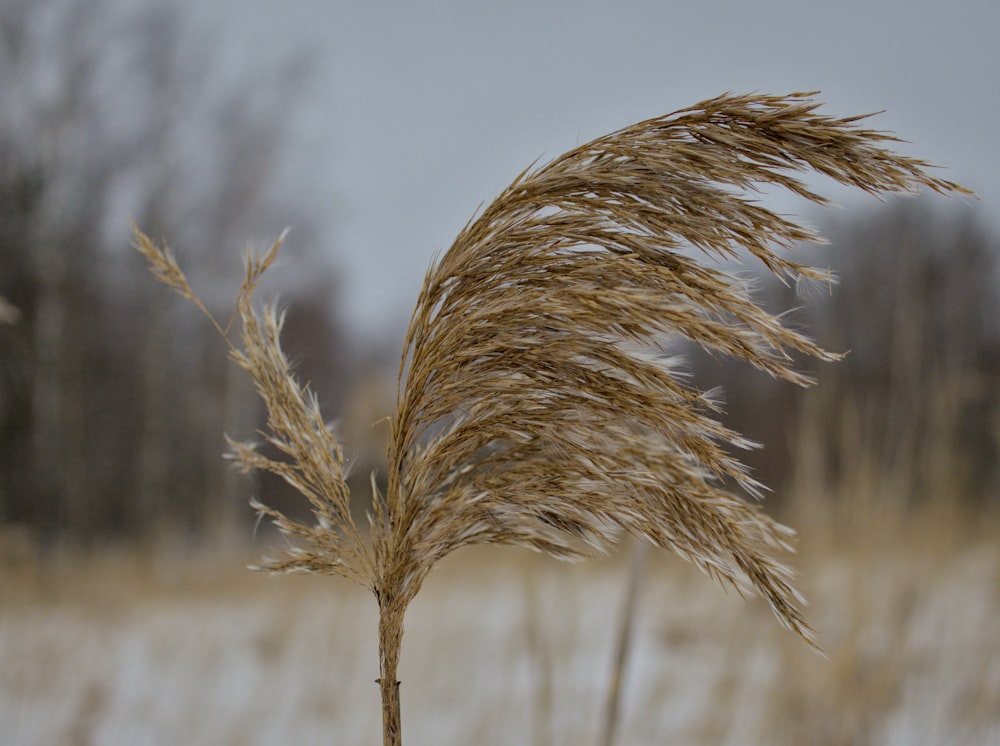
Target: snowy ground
[503, 648]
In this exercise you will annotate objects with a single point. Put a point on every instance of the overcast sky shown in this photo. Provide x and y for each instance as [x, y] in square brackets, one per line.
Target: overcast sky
[419, 111]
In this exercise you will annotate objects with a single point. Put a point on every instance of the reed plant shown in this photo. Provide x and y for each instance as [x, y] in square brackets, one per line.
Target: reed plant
[538, 405]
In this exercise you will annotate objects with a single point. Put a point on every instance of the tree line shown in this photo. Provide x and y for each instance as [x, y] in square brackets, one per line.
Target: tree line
[111, 397]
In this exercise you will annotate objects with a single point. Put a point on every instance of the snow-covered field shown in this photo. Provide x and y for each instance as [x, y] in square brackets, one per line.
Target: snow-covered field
[504, 648]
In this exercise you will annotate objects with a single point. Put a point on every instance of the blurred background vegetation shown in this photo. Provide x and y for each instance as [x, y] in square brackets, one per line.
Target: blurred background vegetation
[114, 397]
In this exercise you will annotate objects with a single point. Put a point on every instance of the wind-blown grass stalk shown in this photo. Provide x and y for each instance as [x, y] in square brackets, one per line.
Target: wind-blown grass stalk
[536, 405]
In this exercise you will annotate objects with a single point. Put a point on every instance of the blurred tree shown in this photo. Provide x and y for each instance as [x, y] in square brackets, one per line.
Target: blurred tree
[916, 399]
[919, 310]
[91, 132]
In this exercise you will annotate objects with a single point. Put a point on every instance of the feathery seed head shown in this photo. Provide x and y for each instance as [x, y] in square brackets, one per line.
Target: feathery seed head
[537, 406]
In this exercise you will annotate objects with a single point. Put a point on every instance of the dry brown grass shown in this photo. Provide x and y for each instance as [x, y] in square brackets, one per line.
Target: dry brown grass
[125, 649]
[536, 406]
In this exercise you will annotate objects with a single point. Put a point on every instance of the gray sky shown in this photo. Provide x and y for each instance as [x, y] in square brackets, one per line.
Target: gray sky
[420, 111]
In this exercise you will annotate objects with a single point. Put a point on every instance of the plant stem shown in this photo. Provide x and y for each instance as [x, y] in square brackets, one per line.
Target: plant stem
[623, 644]
[390, 636]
